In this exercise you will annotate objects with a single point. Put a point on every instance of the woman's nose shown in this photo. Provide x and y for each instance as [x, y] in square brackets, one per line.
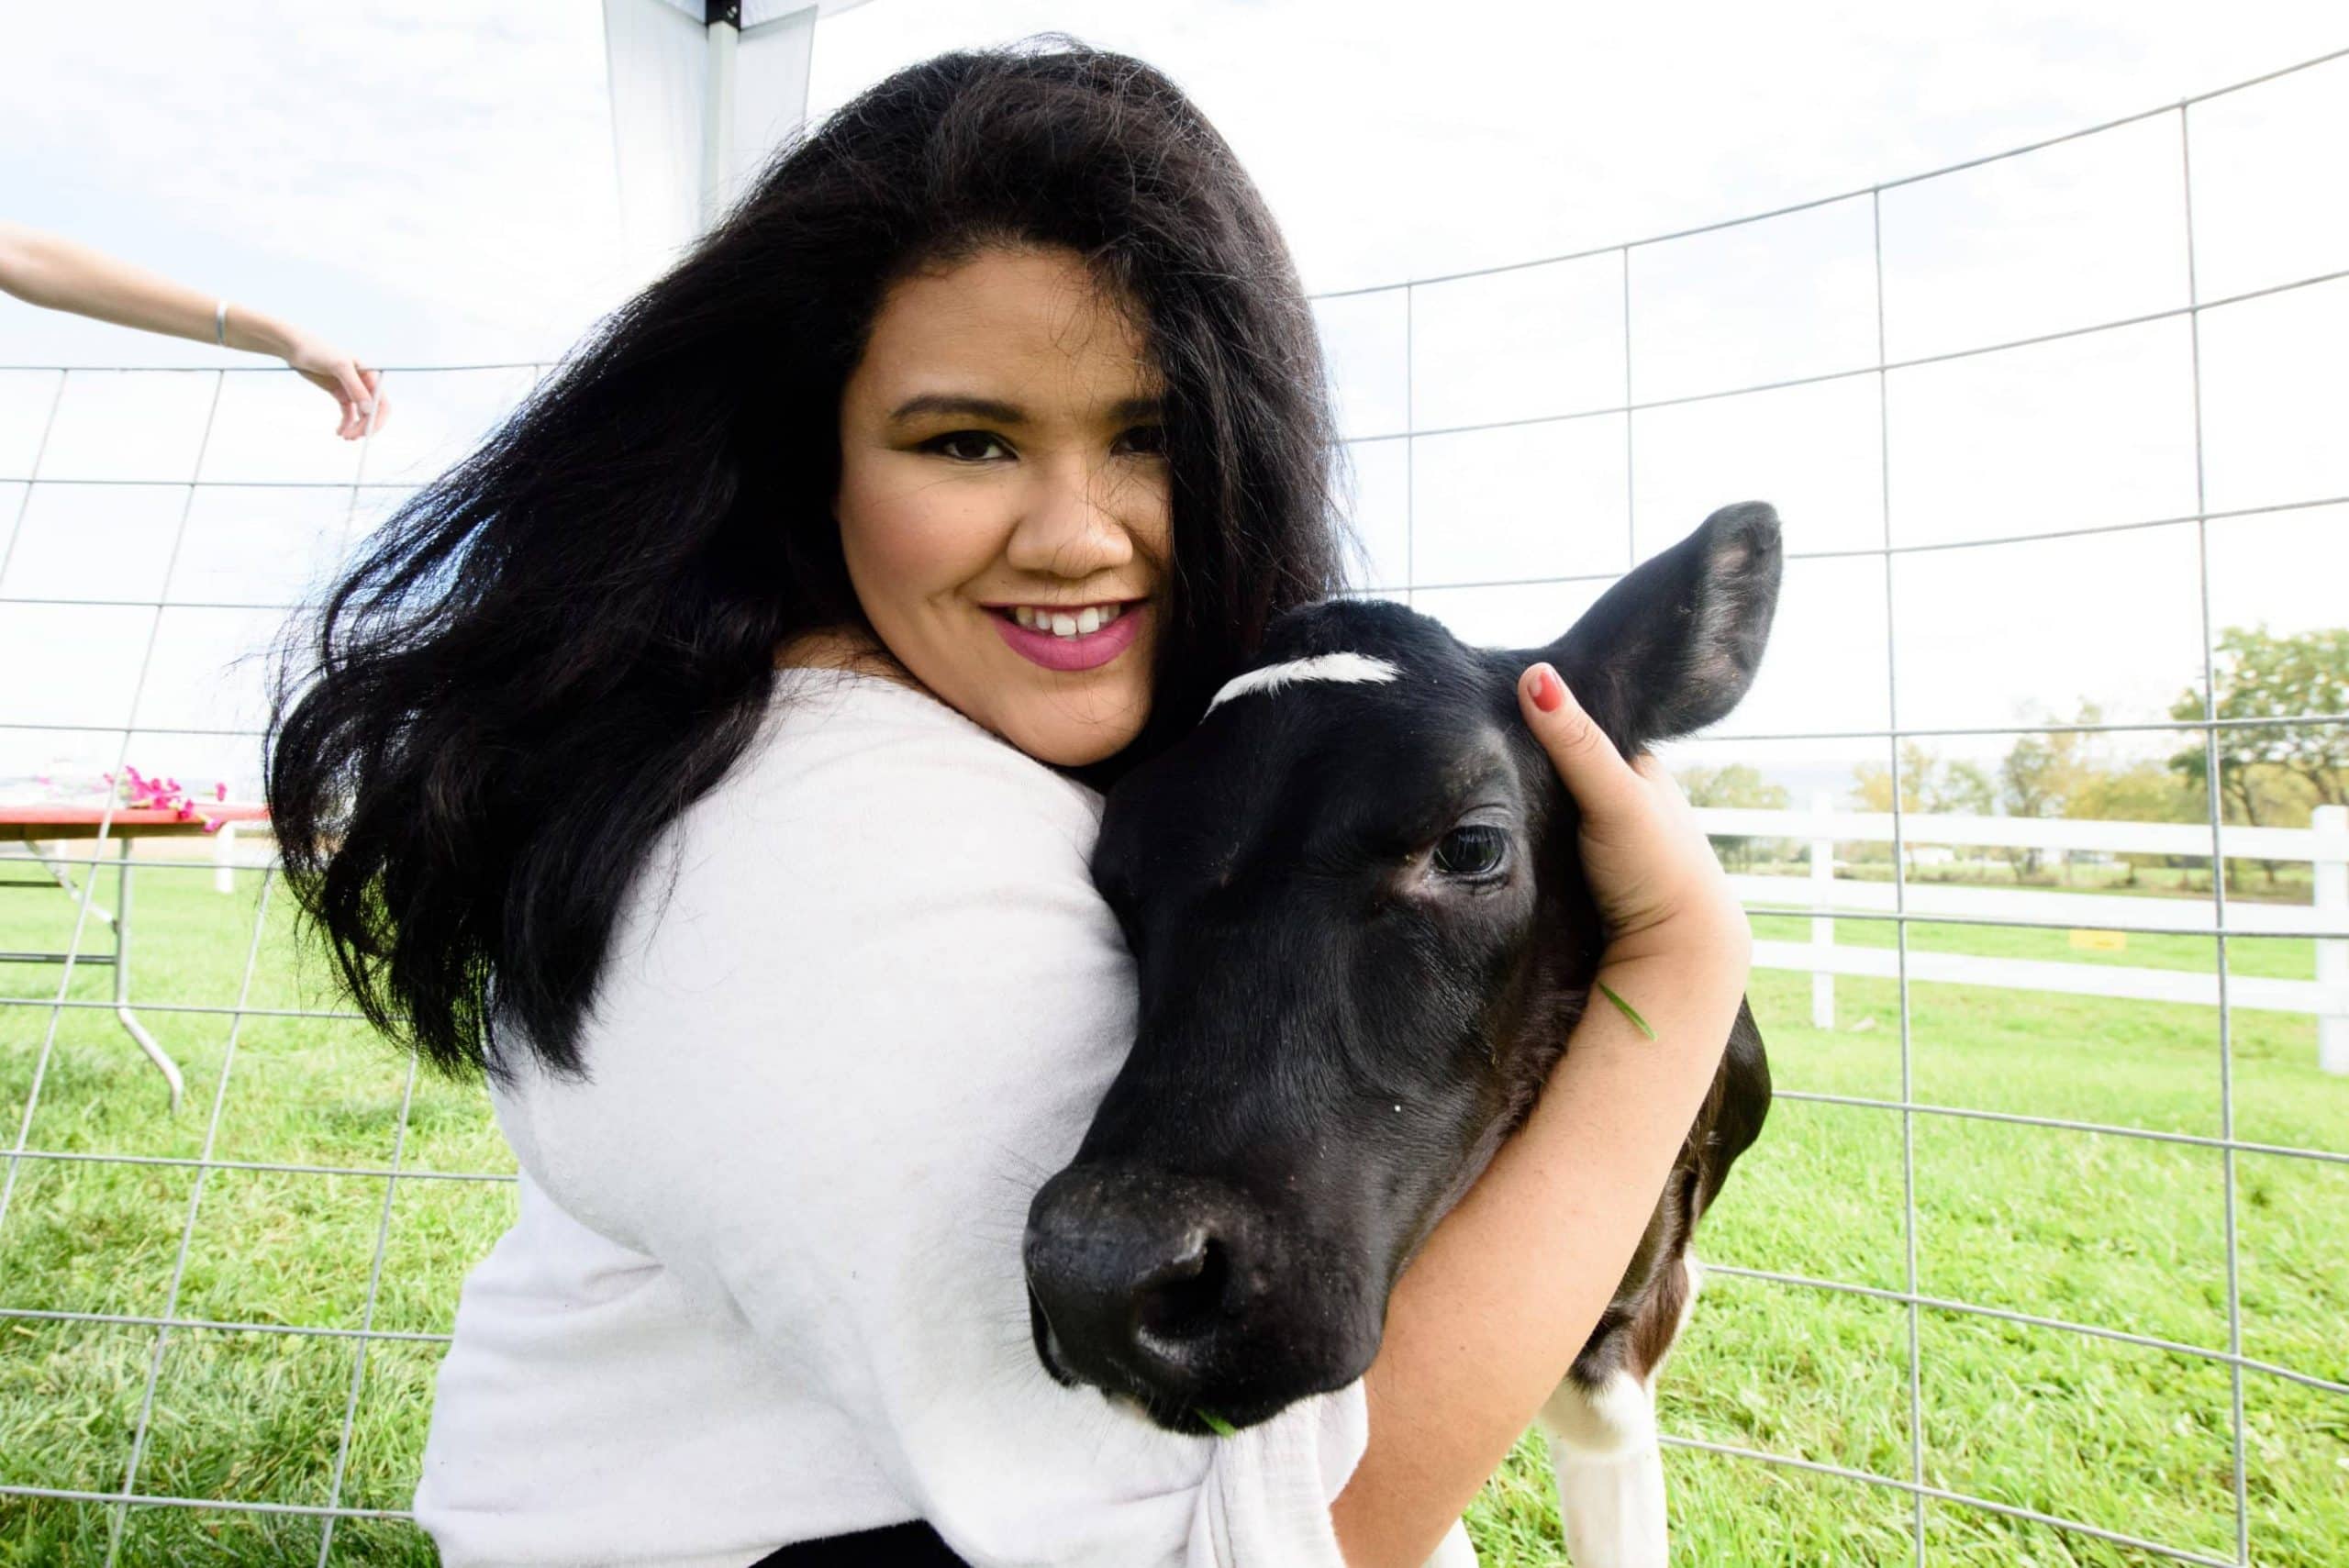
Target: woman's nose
[1071, 525]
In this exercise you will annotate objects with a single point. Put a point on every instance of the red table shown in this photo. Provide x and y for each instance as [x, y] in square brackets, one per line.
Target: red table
[34, 823]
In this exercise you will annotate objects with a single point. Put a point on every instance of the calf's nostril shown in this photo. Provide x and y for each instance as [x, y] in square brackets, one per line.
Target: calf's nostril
[1143, 1282]
[1182, 1298]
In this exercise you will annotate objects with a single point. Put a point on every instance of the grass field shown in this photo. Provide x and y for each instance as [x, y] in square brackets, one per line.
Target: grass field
[2089, 1228]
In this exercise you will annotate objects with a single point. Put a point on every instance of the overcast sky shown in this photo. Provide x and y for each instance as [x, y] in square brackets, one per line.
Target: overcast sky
[431, 184]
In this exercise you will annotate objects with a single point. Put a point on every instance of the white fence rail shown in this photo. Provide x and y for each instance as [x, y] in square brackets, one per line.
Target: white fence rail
[2323, 846]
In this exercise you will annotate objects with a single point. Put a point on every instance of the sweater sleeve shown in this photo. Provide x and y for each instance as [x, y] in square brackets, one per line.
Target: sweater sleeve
[835, 1054]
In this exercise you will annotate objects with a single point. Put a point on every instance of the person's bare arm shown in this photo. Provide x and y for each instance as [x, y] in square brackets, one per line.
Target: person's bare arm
[56, 273]
[1486, 1319]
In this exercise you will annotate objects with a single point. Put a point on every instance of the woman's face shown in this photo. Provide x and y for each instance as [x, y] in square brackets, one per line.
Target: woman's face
[1003, 505]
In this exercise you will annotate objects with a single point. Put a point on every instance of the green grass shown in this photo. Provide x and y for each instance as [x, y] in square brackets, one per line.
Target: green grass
[2096, 1229]
[239, 1414]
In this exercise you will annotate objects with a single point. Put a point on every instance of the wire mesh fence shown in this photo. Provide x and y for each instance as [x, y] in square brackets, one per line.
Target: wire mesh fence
[1981, 395]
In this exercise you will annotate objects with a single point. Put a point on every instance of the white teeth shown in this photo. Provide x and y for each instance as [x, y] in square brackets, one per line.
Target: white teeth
[1083, 623]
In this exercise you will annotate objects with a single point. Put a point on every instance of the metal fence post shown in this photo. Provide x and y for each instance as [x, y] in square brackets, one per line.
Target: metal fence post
[1822, 928]
[2330, 870]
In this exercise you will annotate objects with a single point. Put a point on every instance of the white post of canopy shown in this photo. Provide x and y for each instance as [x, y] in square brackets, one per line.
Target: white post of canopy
[724, 34]
[703, 92]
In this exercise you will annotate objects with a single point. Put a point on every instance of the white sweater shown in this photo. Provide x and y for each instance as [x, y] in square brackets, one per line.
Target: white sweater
[765, 1285]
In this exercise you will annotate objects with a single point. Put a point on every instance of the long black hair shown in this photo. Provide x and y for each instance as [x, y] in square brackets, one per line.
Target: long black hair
[569, 637]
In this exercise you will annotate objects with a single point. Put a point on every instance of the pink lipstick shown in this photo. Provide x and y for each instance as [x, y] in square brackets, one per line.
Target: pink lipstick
[1088, 650]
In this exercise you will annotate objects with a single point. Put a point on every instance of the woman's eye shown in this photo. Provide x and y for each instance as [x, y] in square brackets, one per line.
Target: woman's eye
[1474, 853]
[1148, 440]
[965, 446]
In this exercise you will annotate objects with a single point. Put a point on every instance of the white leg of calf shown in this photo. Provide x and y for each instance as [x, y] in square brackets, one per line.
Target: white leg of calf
[1454, 1551]
[1610, 1472]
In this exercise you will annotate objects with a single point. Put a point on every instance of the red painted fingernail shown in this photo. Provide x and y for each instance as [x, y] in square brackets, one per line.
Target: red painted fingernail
[1547, 691]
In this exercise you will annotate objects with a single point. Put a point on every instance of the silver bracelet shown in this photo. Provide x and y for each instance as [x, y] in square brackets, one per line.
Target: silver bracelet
[220, 324]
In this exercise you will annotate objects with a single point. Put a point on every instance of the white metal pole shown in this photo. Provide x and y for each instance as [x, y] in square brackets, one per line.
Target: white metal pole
[1822, 928]
[2330, 866]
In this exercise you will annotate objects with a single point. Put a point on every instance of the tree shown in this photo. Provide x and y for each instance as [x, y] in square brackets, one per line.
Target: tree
[2259, 675]
[2052, 773]
[1927, 783]
[2273, 773]
[1929, 786]
[2142, 791]
[1734, 784]
[1966, 787]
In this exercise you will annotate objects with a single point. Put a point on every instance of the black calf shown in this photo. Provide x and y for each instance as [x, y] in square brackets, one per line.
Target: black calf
[1364, 935]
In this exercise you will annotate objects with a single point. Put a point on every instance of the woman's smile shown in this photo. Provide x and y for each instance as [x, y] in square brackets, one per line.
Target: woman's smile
[1071, 637]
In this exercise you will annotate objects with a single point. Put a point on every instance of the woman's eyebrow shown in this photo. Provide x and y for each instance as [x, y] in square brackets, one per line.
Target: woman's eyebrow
[1009, 413]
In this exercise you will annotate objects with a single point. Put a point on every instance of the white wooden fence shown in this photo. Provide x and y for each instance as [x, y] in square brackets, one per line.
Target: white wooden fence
[2324, 845]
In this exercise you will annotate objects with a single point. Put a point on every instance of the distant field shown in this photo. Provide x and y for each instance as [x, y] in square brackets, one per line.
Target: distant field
[2288, 883]
[2088, 1228]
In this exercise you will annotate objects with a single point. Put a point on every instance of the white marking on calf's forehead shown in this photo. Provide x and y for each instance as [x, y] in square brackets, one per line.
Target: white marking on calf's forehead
[1320, 667]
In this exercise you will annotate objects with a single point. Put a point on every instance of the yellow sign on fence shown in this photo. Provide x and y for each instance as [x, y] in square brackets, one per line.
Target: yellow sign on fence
[2100, 941]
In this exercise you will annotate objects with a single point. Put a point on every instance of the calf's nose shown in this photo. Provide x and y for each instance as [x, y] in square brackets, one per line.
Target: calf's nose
[1137, 1275]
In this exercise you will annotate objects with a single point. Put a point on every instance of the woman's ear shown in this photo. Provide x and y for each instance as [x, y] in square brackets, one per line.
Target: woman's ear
[1674, 645]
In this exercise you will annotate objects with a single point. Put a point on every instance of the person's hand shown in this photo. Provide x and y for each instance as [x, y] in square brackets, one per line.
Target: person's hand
[325, 366]
[1651, 869]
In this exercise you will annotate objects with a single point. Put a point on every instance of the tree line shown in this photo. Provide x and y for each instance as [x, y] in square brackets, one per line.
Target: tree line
[2274, 764]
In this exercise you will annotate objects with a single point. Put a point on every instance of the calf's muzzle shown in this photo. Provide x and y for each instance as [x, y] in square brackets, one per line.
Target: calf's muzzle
[1169, 1289]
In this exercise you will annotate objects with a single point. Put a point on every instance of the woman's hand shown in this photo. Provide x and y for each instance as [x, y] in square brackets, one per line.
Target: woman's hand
[1657, 882]
[327, 367]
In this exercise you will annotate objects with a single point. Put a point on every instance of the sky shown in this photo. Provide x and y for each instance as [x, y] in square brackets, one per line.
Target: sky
[430, 183]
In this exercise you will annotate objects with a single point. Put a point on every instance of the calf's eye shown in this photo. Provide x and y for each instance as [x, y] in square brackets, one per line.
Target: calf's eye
[1475, 852]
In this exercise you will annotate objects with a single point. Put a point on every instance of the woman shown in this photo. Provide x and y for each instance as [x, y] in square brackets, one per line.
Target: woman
[707, 759]
[51, 270]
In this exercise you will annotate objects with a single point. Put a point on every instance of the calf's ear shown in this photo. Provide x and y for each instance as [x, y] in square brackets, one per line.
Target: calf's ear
[1674, 645]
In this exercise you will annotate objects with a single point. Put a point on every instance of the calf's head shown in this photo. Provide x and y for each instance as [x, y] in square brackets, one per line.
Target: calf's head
[1362, 934]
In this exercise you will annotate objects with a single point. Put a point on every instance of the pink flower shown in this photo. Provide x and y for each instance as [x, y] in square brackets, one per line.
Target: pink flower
[142, 793]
